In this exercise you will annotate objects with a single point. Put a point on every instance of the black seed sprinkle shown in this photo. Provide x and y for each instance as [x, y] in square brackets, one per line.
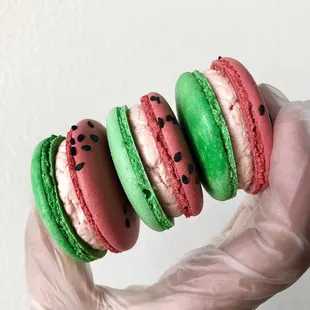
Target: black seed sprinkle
[197, 181]
[185, 208]
[127, 223]
[73, 151]
[79, 166]
[72, 141]
[125, 209]
[80, 138]
[74, 127]
[94, 138]
[154, 98]
[261, 109]
[146, 193]
[190, 168]
[90, 124]
[177, 157]
[170, 118]
[220, 57]
[185, 179]
[161, 122]
[86, 147]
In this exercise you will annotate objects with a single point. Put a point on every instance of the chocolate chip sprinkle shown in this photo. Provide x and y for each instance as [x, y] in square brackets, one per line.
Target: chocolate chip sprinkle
[161, 122]
[90, 124]
[220, 57]
[72, 141]
[261, 110]
[80, 137]
[94, 138]
[73, 151]
[185, 179]
[177, 157]
[155, 98]
[127, 222]
[86, 147]
[74, 127]
[79, 166]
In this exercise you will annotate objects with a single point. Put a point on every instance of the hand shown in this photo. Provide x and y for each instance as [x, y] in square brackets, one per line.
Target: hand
[263, 250]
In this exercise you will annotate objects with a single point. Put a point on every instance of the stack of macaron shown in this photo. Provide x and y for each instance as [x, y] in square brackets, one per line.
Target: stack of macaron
[92, 188]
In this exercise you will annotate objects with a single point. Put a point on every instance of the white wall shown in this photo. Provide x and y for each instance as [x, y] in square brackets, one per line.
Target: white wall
[61, 61]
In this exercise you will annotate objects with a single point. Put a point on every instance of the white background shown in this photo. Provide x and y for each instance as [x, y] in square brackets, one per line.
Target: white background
[61, 61]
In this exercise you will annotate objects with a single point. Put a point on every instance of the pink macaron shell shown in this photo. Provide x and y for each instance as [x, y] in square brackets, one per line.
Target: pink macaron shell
[175, 153]
[98, 188]
[256, 116]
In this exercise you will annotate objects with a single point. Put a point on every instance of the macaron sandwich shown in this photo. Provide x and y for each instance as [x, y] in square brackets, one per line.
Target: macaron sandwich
[92, 187]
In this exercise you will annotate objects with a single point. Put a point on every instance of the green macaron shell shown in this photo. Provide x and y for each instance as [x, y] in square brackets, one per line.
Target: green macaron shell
[50, 206]
[205, 129]
[132, 173]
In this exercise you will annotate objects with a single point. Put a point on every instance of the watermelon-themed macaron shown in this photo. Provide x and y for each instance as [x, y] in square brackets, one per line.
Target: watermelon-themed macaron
[79, 196]
[227, 126]
[50, 206]
[256, 126]
[153, 162]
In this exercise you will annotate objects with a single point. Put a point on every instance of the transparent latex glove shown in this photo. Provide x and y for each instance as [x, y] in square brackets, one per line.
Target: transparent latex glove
[263, 250]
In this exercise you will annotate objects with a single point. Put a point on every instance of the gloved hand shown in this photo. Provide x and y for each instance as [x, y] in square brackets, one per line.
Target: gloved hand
[263, 250]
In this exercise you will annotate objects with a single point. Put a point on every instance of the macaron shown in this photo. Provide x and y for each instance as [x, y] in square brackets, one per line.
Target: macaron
[228, 101]
[153, 162]
[258, 127]
[228, 128]
[204, 126]
[79, 196]
[50, 206]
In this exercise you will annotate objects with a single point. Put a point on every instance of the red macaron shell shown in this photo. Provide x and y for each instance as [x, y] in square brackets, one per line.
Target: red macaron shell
[98, 188]
[256, 117]
[175, 154]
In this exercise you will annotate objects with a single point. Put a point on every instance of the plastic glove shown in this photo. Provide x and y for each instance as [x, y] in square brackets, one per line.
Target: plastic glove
[263, 250]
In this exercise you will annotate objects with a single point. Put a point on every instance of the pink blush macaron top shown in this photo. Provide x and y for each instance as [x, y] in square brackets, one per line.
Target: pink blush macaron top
[98, 188]
[175, 154]
[256, 117]
[231, 110]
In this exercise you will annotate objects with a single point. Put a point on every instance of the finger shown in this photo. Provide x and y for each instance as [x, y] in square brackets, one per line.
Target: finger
[242, 220]
[54, 280]
[274, 99]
